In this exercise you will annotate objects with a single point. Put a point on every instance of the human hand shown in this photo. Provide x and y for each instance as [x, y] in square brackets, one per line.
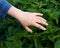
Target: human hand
[29, 19]
[32, 19]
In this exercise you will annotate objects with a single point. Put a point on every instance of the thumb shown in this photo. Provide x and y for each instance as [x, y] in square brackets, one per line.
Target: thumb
[28, 29]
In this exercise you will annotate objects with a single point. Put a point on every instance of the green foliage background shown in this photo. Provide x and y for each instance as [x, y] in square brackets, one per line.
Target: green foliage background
[13, 35]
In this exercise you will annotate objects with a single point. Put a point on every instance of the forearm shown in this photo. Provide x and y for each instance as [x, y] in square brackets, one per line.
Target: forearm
[14, 12]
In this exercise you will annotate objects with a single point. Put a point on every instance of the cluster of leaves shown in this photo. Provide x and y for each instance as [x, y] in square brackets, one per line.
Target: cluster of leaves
[13, 35]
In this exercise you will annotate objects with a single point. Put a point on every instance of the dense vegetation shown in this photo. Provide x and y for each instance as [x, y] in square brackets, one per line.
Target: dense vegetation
[13, 35]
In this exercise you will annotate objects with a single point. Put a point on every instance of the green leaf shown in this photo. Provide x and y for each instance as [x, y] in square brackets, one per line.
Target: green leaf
[37, 43]
[14, 44]
[57, 44]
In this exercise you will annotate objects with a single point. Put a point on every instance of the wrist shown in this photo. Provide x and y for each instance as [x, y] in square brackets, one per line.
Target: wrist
[14, 12]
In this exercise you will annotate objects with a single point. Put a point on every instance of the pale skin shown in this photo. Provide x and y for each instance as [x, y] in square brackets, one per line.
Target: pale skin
[28, 18]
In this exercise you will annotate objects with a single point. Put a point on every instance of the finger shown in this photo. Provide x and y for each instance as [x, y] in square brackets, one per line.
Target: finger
[40, 18]
[42, 22]
[39, 26]
[39, 14]
[28, 29]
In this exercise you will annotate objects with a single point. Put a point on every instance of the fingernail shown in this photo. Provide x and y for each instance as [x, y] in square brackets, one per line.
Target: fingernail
[31, 31]
[44, 28]
[46, 23]
[41, 14]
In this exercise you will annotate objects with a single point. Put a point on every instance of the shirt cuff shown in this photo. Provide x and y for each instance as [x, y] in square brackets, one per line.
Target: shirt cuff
[4, 6]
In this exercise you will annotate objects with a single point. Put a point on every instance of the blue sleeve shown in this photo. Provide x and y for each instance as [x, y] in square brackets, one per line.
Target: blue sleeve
[4, 7]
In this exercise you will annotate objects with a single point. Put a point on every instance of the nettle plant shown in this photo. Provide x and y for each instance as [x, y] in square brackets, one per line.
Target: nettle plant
[13, 35]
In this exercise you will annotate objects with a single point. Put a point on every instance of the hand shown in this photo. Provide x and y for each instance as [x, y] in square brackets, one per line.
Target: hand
[32, 19]
[29, 19]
